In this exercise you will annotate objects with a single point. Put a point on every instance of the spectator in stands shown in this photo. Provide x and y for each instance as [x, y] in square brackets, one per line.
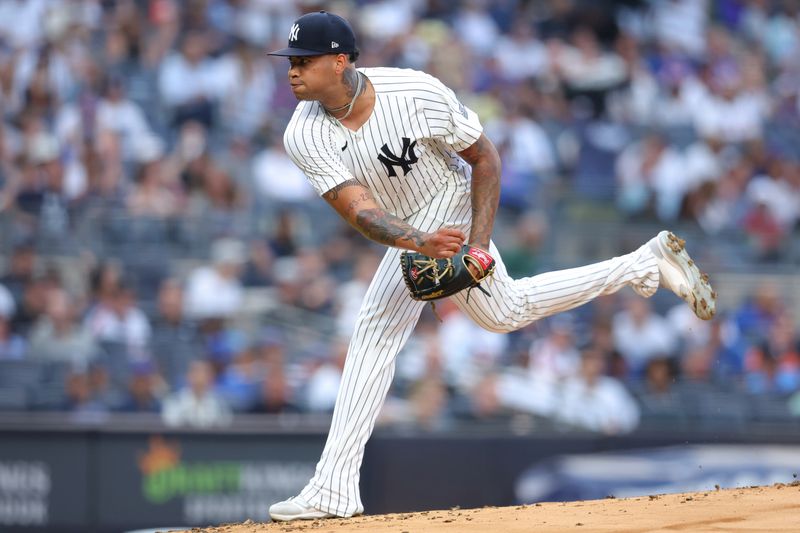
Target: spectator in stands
[350, 294]
[690, 330]
[247, 82]
[468, 352]
[760, 310]
[59, 336]
[659, 395]
[122, 116]
[12, 345]
[729, 349]
[775, 205]
[720, 207]
[215, 291]
[187, 81]
[640, 334]
[586, 71]
[317, 287]
[697, 366]
[704, 109]
[554, 357]
[20, 272]
[241, 381]
[591, 400]
[601, 334]
[84, 395]
[424, 403]
[728, 113]
[223, 342]
[519, 54]
[522, 252]
[527, 156]
[425, 350]
[258, 271]
[217, 195]
[118, 320]
[175, 341]
[42, 193]
[7, 304]
[34, 300]
[197, 404]
[156, 192]
[106, 178]
[276, 395]
[651, 174]
[681, 25]
[145, 389]
[284, 237]
[773, 366]
[659, 380]
[277, 179]
[535, 388]
[679, 96]
[476, 28]
[425, 407]
[794, 404]
[322, 384]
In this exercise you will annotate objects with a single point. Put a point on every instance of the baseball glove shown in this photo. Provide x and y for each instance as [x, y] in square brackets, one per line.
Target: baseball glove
[430, 279]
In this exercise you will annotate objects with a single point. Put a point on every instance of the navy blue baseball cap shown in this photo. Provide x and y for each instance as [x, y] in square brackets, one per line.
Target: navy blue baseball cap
[319, 33]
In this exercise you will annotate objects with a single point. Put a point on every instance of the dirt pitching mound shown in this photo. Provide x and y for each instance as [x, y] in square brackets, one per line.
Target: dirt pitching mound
[754, 509]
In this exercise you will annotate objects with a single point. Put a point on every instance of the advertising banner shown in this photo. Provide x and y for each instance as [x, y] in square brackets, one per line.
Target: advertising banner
[193, 480]
[42, 484]
[671, 469]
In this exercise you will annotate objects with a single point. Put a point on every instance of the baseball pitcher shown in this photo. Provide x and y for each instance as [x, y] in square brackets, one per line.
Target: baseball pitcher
[396, 154]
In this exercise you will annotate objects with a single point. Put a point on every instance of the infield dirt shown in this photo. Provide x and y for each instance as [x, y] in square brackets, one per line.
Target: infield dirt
[754, 509]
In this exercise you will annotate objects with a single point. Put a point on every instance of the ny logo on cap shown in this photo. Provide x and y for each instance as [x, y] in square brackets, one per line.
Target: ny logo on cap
[293, 32]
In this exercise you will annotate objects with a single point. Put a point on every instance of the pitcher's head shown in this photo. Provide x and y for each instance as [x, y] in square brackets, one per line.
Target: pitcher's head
[321, 47]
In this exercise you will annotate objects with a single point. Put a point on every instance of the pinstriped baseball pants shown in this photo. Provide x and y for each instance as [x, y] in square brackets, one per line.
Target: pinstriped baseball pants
[388, 316]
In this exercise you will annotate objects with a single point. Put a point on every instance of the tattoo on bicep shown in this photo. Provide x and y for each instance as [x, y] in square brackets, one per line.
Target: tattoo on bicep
[333, 194]
[386, 228]
[485, 190]
[353, 205]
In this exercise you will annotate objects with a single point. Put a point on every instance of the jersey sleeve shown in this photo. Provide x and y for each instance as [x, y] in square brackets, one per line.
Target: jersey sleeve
[450, 120]
[313, 148]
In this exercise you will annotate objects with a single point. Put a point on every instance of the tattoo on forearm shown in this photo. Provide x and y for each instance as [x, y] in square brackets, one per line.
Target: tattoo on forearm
[485, 189]
[333, 194]
[353, 205]
[386, 228]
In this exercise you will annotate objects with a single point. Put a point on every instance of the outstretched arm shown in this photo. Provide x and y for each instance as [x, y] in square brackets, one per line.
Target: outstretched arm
[485, 162]
[356, 205]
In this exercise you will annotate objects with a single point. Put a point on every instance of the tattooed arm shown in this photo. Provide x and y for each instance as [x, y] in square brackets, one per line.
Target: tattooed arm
[485, 162]
[356, 205]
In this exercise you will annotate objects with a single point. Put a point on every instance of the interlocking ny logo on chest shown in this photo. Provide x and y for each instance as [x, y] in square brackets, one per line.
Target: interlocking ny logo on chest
[406, 158]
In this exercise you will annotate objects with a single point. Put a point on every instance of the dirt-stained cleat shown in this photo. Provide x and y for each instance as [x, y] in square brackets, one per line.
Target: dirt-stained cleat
[295, 509]
[681, 275]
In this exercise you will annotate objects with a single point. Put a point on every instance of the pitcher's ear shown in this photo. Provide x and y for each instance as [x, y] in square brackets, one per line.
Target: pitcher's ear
[340, 63]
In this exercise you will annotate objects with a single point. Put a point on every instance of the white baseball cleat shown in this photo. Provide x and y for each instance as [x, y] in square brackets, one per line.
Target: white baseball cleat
[295, 509]
[680, 274]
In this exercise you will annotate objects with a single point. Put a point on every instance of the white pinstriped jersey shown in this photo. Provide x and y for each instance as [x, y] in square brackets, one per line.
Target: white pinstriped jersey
[405, 152]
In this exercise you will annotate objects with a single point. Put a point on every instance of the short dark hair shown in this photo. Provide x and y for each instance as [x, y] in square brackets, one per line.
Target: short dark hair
[353, 56]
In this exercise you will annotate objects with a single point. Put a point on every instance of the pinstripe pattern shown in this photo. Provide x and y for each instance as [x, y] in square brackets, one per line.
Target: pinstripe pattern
[408, 104]
[433, 194]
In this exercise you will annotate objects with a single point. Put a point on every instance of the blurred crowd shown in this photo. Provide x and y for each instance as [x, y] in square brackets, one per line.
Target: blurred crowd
[162, 254]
